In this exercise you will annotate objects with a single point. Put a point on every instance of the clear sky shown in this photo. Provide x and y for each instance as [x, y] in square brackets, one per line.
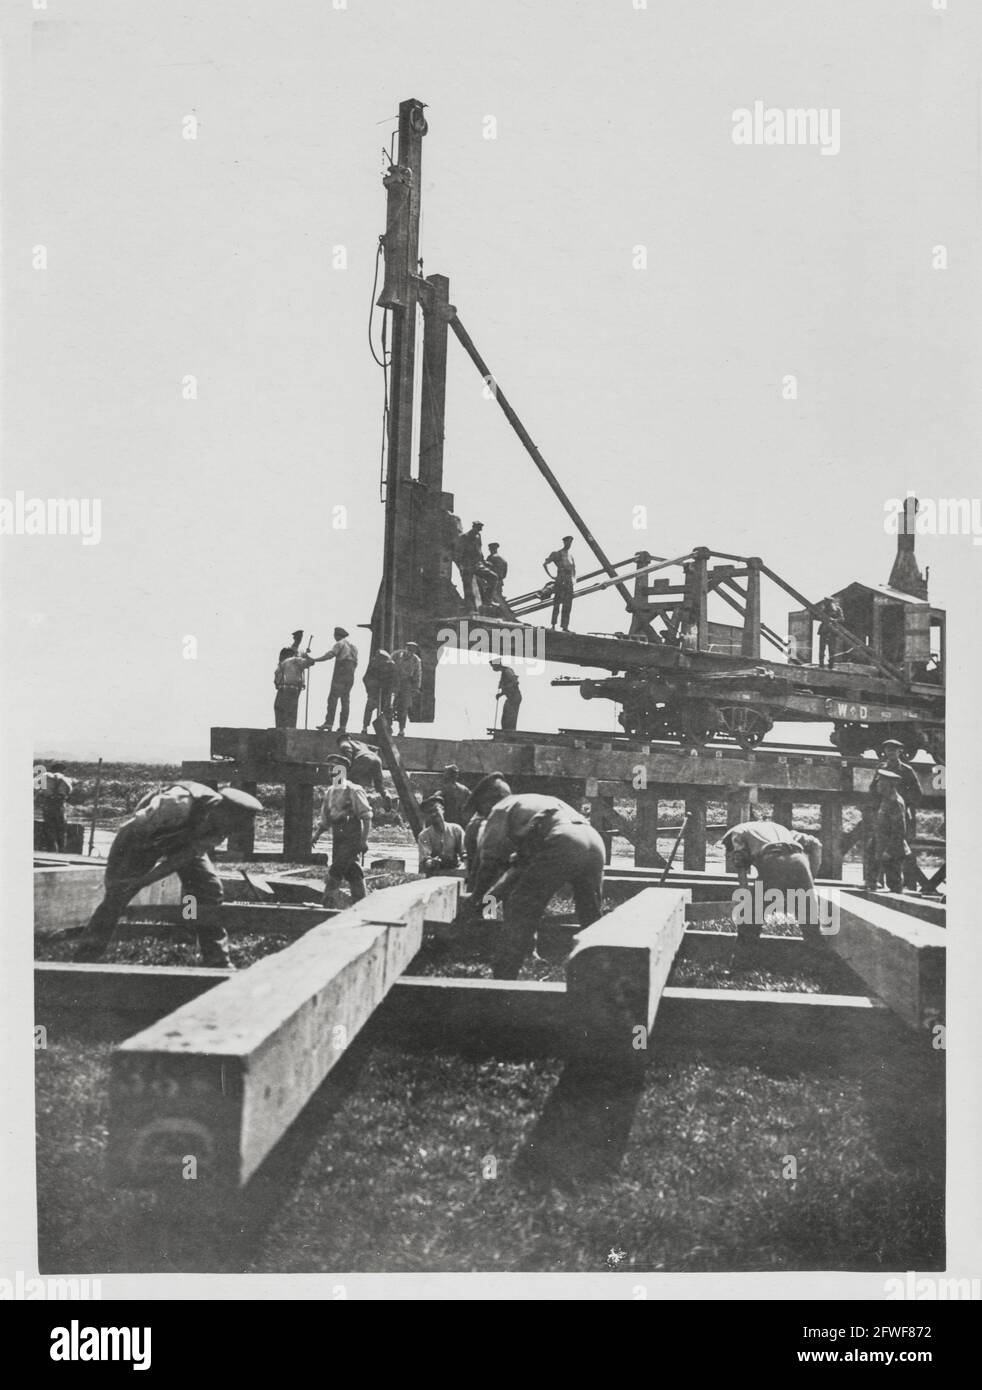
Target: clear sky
[168, 257]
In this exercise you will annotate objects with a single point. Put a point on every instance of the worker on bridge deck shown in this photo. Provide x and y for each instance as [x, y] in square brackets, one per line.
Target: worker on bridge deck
[173, 830]
[562, 597]
[831, 610]
[509, 690]
[289, 678]
[528, 848]
[469, 557]
[786, 862]
[347, 813]
[497, 567]
[344, 654]
[408, 683]
[379, 682]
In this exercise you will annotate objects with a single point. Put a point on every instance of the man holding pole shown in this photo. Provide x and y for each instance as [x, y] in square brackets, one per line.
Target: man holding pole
[347, 813]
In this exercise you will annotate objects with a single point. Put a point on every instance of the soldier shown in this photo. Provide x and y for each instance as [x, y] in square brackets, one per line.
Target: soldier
[408, 683]
[347, 813]
[891, 851]
[55, 792]
[454, 793]
[910, 793]
[379, 680]
[469, 557]
[499, 568]
[785, 860]
[528, 848]
[562, 595]
[365, 767]
[288, 678]
[173, 830]
[441, 842]
[510, 690]
[831, 610]
[344, 654]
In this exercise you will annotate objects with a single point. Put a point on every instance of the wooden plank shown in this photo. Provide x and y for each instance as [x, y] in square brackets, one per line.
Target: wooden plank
[899, 958]
[224, 1077]
[646, 830]
[831, 836]
[914, 905]
[298, 819]
[694, 840]
[390, 756]
[616, 973]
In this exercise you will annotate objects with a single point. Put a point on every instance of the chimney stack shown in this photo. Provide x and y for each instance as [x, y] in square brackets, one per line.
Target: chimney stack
[905, 575]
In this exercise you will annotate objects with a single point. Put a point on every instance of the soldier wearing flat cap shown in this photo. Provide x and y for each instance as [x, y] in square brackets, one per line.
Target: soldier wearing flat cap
[173, 830]
[563, 581]
[890, 849]
[469, 557]
[454, 793]
[910, 794]
[347, 813]
[441, 843]
[528, 848]
[408, 683]
[344, 654]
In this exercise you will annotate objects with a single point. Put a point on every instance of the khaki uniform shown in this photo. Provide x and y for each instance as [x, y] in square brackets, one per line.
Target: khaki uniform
[169, 822]
[540, 845]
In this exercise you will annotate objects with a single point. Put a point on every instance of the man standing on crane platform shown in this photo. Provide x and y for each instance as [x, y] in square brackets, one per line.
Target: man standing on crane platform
[562, 598]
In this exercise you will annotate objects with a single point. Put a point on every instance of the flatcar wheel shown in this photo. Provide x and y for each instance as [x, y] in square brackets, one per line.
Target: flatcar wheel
[747, 726]
[852, 740]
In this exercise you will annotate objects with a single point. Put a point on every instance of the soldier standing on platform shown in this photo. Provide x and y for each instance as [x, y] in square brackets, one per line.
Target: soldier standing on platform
[891, 850]
[510, 690]
[499, 565]
[344, 654]
[379, 681]
[562, 598]
[347, 813]
[408, 683]
[470, 557]
[831, 612]
[288, 678]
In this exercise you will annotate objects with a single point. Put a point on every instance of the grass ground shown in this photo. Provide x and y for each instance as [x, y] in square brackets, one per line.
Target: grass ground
[404, 1162]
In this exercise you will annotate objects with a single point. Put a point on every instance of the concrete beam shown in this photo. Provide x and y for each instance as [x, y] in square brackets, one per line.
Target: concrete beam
[899, 958]
[67, 896]
[617, 971]
[225, 1076]
[499, 1015]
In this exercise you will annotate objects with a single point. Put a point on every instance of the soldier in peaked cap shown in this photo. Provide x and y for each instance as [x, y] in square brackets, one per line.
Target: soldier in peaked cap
[172, 830]
[485, 793]
[910, 794]
[455, 794]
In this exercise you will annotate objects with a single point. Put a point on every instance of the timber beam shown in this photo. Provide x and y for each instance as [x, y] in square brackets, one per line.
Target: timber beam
[223, 1077]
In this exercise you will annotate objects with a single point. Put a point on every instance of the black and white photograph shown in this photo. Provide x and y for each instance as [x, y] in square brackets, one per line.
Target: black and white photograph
[490, 537]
